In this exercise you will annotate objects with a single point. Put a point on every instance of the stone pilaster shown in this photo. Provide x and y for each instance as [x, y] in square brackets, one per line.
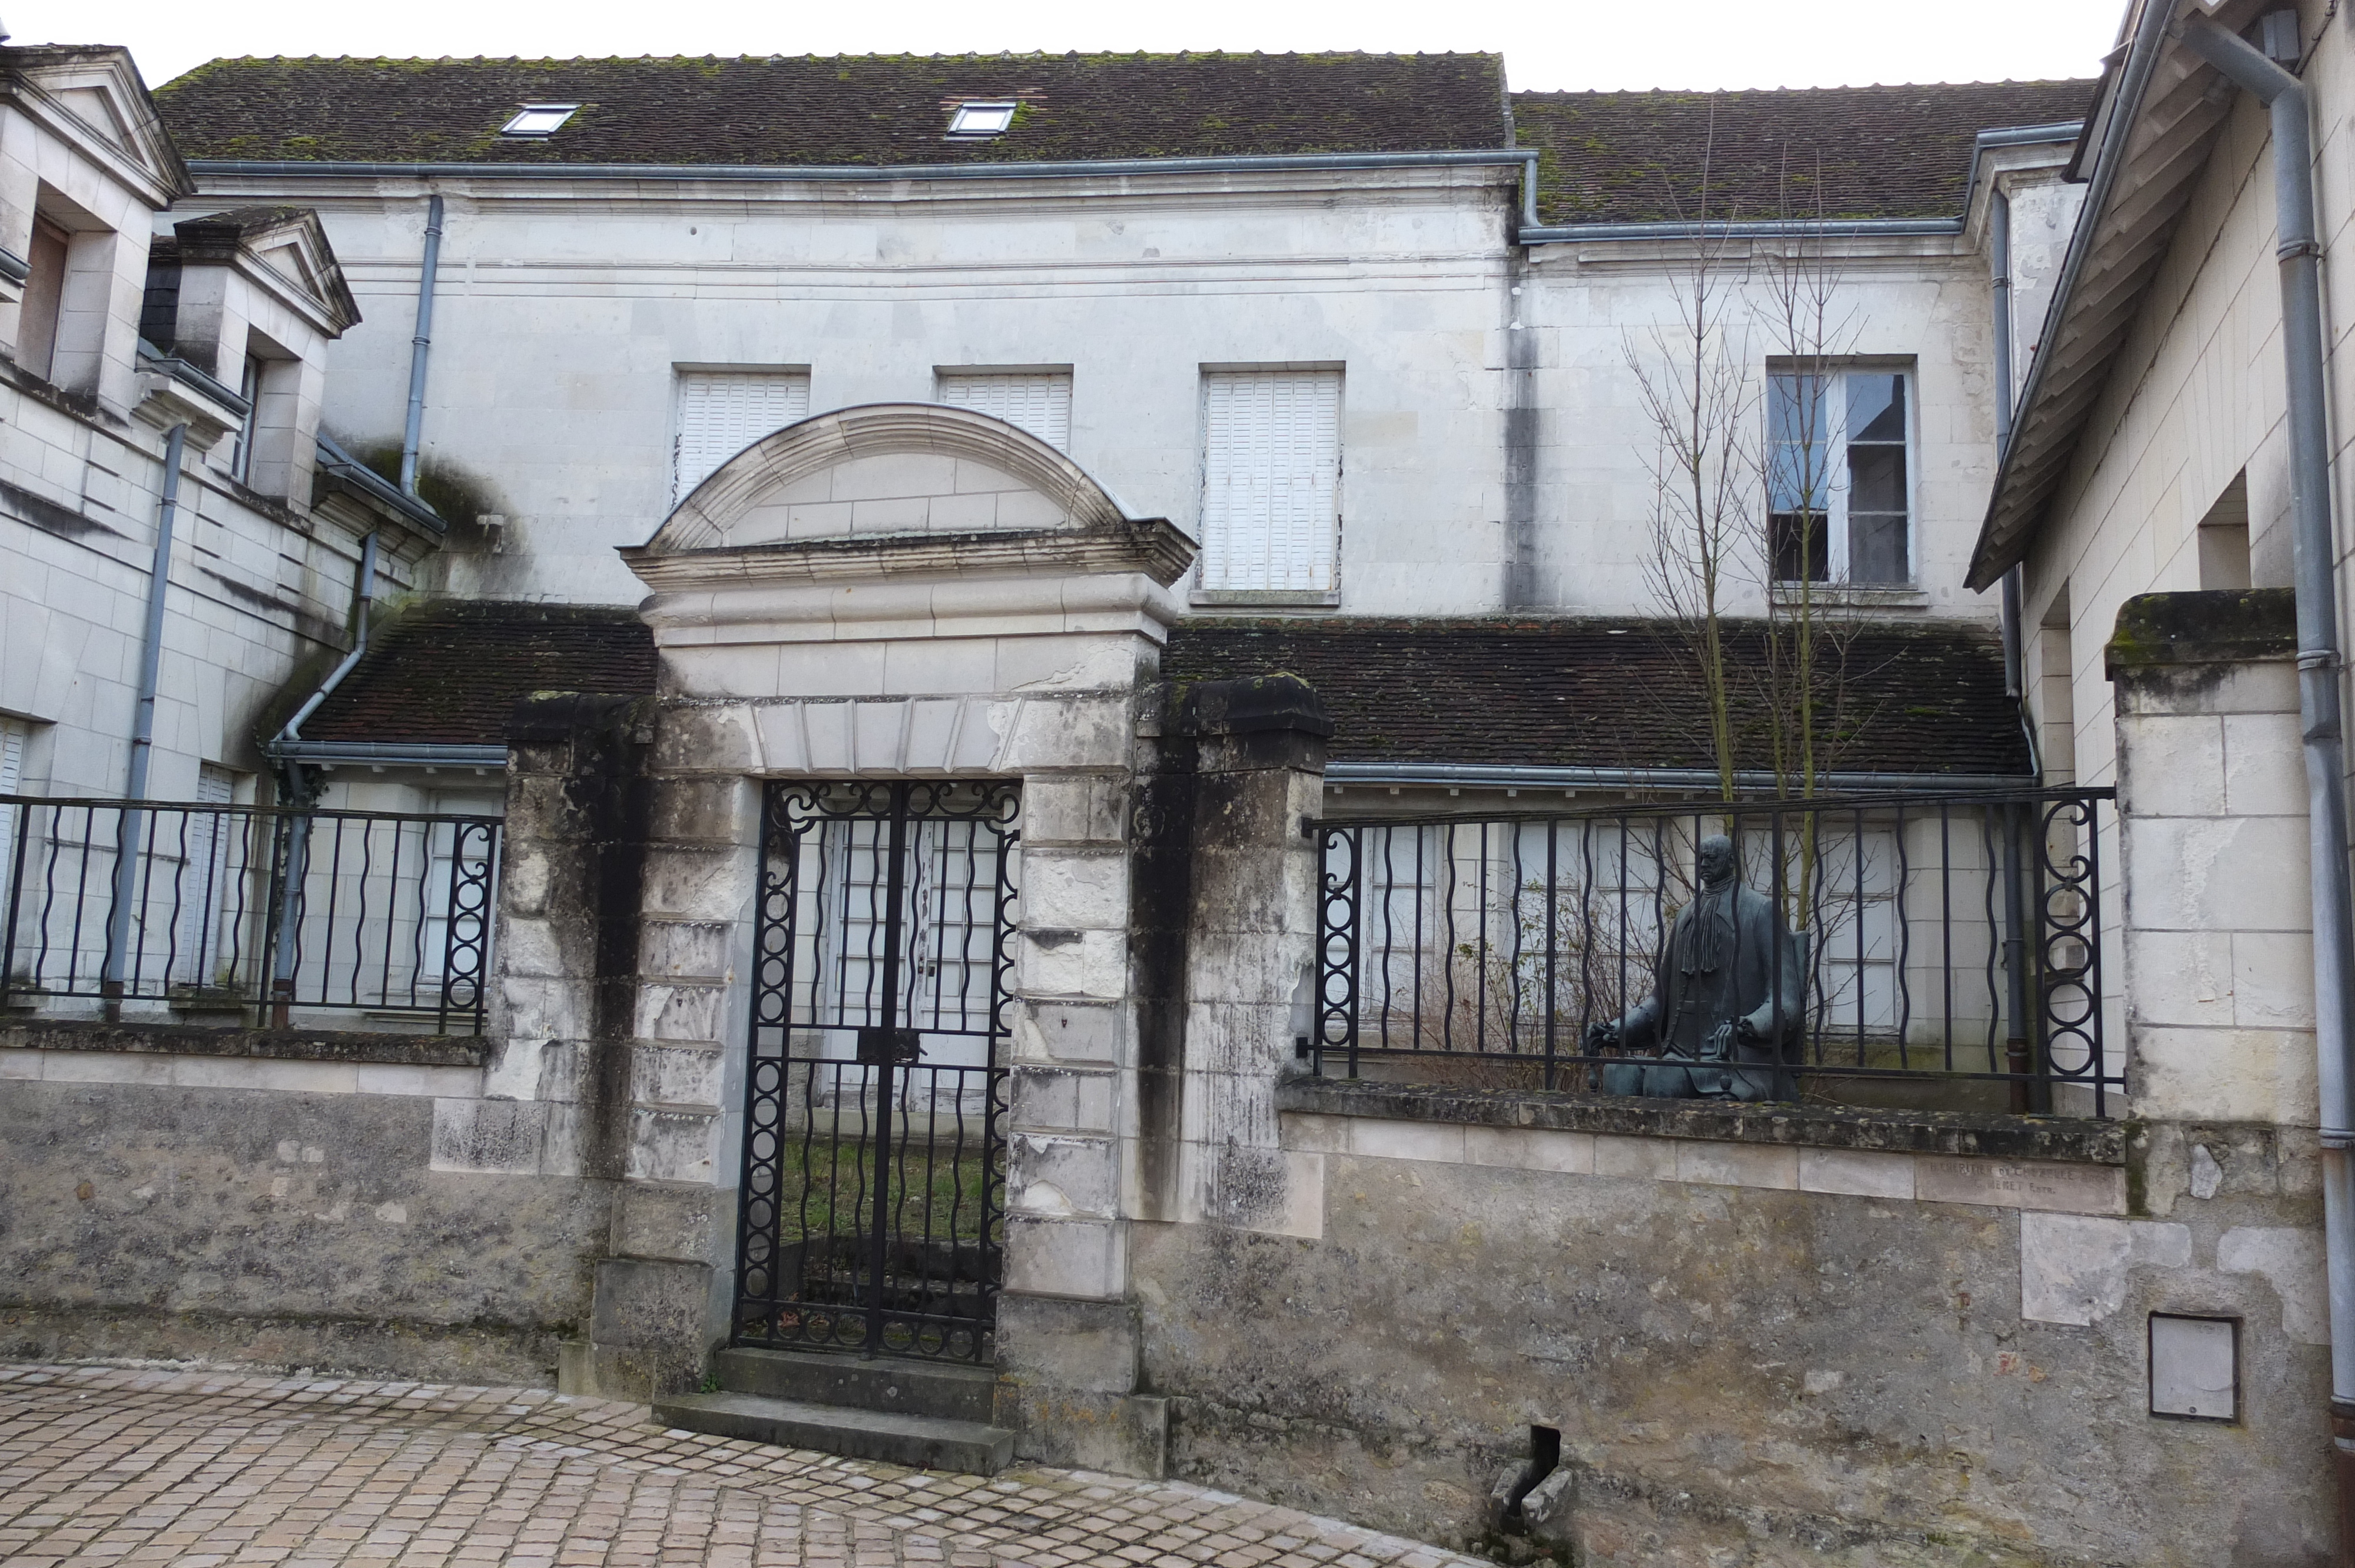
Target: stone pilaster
[1259, 774]
[663, 1297]
[1144, 1091]
[2213, 812]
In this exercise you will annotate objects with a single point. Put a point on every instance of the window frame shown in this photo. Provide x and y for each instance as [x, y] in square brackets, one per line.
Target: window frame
[563, 112]
[42, 304]
[1208, 592]
[682, 375]
[1836, 516]
[948, 378]
[248, 429]
[959, 132]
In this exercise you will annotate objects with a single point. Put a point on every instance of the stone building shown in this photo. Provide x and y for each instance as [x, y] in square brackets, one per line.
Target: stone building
[1012, 715]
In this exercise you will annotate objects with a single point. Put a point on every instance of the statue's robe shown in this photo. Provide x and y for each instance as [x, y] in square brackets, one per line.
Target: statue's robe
[1728, 957]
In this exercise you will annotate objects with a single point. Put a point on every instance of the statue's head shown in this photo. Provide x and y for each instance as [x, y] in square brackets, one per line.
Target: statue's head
[1716, 861]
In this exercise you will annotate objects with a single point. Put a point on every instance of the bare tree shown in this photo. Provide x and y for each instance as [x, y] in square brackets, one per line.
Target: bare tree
[1694, 387]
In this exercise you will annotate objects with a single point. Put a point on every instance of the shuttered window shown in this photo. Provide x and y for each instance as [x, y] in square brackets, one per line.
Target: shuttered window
[1271, 480]
[721, 412]
[203, 895]
[12, 781]
[1036, 401]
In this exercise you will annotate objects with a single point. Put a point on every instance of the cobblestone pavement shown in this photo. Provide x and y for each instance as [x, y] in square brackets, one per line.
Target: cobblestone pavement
[121, 1466]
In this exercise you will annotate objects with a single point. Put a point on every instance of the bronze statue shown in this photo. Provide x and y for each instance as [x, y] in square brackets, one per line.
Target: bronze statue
[1727, 1005]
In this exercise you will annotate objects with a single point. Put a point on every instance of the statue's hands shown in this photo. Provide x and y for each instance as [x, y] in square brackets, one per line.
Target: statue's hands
[1602, 1036]
[1720, 1047]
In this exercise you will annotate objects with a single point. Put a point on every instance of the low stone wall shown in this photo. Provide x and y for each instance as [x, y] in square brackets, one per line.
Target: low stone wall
[290, 1198]
[1767, 1335]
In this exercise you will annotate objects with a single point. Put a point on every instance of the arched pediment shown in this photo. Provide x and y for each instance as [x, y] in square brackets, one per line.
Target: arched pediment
[887, 471]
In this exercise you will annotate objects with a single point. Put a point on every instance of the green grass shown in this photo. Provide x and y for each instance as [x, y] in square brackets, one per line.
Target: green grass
[827, 1188]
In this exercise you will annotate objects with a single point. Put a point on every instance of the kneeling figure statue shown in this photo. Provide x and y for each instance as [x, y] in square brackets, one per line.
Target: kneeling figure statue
[1727, 1005]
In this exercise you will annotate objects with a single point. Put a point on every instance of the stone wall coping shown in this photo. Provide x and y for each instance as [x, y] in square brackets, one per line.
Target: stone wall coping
[2230, 626]
[283, 1045]
[2072, 1139]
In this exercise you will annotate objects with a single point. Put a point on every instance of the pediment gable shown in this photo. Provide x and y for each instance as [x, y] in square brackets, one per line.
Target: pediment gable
[885, 469]
[283, 247]
[94, 98]
[903, 489]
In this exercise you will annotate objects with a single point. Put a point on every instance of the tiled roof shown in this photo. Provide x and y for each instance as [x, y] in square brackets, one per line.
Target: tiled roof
[808, 109]
[1839, 151]
[1609, 693]
[450, 673]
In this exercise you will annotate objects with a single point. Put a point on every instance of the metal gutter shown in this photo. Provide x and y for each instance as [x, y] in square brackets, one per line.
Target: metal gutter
[13, 267]
[1485, 776]
[872, 174]
[421, 345]
[161, 363]
[2314, 548]
[1836, 228]
[388, 754]
[359, 476]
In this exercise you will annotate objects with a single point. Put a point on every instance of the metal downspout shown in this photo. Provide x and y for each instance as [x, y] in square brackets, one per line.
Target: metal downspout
[2020, 1042]
[2315, 551]
[421, 345]
[293, 851]
[142, 730]
[2000, 249]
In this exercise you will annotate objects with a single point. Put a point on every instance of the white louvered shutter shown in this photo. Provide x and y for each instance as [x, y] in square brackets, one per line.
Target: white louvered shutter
[1037, 402]
[1271, 478]
[721, 412]
[204, 877]
[12, 780]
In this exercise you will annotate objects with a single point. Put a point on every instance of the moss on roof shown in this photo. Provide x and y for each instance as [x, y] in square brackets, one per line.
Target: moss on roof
[1842, 152]
[845, 110]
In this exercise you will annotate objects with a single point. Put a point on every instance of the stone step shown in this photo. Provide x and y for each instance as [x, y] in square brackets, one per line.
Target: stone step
[918, 1441]
[948, 1390]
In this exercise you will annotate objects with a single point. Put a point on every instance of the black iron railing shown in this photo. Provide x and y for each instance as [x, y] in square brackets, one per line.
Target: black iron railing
[1958, 936]
[269, 910]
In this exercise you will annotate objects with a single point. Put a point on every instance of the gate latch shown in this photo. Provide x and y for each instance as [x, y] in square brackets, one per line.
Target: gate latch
[877, 1047]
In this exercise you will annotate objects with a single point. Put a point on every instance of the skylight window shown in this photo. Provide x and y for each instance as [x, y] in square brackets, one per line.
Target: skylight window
[979, 121]
[538, 119]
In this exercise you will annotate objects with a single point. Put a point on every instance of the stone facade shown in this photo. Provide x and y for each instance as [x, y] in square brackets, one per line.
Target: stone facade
[282, 1198]
[261, 571]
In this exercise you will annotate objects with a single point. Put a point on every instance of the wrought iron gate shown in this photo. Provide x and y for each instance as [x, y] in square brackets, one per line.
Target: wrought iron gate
[873, 1192]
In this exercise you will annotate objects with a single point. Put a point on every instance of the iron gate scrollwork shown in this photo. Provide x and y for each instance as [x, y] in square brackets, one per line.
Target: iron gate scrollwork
[873, 1189]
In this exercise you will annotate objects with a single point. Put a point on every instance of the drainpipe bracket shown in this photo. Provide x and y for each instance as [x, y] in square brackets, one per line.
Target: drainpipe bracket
[2318, 659]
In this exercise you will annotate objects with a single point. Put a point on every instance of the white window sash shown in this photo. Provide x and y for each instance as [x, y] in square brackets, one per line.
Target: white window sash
[1832, 455]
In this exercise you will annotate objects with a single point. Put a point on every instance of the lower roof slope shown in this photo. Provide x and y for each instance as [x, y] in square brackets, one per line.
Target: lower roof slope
[449, 673]
[1800, 154]
[1613, 694]
[1520, 692]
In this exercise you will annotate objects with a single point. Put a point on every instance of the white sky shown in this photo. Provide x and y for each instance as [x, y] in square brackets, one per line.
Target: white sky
[1547, 44]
